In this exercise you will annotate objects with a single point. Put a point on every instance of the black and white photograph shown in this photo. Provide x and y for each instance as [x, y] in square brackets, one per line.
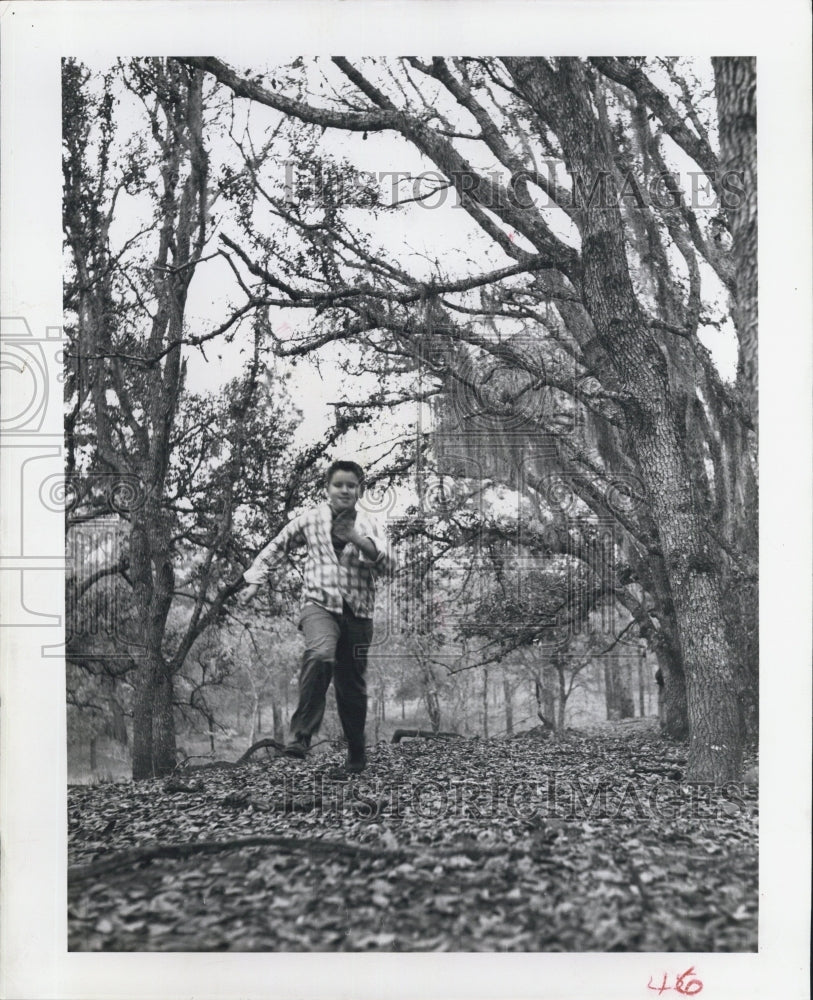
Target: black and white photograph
[408, 458]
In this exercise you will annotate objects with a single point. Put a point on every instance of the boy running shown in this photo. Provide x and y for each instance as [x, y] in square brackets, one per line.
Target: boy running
[344, 557]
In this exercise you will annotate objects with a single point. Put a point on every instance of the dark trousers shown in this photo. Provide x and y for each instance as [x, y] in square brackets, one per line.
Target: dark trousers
[335, 646]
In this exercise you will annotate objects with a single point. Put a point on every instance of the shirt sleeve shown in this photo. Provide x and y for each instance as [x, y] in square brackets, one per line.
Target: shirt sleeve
[275, 550]
[383, 564]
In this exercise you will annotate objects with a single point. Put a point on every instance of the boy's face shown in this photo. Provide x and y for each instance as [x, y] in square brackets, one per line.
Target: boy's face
[343, 490]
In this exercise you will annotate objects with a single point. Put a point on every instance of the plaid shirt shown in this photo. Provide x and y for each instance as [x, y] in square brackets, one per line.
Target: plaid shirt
[329, 578]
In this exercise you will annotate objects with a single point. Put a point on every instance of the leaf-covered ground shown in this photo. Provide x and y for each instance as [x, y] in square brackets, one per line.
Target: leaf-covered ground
[588, 843]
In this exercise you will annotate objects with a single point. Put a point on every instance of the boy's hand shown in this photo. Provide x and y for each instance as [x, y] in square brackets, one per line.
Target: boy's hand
[249, 593]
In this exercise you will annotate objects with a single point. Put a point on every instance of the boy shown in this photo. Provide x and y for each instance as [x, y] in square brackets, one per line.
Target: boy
[345, 555]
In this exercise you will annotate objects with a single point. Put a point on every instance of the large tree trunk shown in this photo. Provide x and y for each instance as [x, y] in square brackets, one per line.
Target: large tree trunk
[737, 514]
[142, 720]
[153, 720]
[735, 83]
[654, 427]
[154, 745]
[164, 745]
[545, 693]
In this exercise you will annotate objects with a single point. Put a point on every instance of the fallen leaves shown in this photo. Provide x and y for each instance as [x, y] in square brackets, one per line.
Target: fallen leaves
[585, 844]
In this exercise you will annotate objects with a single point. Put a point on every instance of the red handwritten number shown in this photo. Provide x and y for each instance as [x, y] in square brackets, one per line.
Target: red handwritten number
[690, 988]
[683, 985]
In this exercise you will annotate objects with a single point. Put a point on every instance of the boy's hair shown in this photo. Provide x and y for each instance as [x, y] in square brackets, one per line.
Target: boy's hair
[341, 466]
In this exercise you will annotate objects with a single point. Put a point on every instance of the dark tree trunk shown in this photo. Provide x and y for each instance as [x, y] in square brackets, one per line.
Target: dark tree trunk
[673, 708]
[164, 744]
[735, 84]
[736, 509]
[509, 706]
[661, 706]
[153, 721]
[641, 689]
[630, 687]
[610, 708]
[655, 436]
[560, 717]
[545, 693]
[143, 766]
[485, 703]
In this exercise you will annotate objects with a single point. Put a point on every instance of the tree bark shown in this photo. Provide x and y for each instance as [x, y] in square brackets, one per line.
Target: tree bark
[485, 702]
[544, 691]
[655, 441]
[641, 688]
[735, 84]
[560, 717]
[509, 705]
[673, 707]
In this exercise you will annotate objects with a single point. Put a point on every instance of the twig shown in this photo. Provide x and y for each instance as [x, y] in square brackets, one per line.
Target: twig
[82, 873]
[258, 746]
[428, 734]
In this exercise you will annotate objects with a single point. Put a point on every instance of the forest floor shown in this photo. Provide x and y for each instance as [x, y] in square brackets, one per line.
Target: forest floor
[588, 842]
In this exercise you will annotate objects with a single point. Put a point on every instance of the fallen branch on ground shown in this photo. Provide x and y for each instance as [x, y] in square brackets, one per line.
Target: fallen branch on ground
[426, 734]
[81, 873]
[258, 746]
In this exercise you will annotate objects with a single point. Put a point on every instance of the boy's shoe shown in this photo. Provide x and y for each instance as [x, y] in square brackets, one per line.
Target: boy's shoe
[297, 749]
[353, 765]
